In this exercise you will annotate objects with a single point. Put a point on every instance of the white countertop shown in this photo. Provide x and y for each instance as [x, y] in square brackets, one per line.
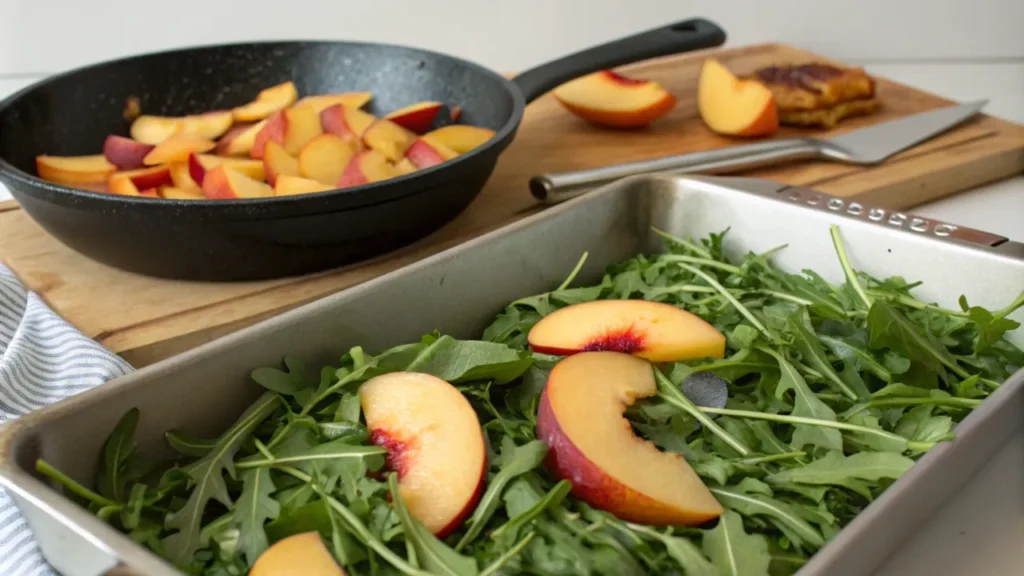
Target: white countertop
[981, 531]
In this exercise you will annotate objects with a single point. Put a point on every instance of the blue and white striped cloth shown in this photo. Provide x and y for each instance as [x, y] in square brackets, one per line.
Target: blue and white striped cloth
[43, 359]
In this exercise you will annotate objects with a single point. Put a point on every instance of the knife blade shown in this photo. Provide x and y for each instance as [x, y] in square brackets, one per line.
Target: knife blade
[865, 146]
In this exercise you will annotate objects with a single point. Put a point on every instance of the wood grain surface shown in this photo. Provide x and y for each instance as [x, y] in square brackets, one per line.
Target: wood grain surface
[146, 319]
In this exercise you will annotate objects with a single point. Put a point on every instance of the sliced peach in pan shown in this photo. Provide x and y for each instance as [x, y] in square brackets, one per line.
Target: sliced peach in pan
[609, 99]
[177, 148]
[460, 138]
[224, 183]
[200, 164]
[150, 193]
[122, 185]
[125, 153]
[291, 128]
[389, 139]
[366, 167]
[732, 106]
[291, 185]
[209, 125]
[426, 153]
[320, 102]
[146, 178]
[454, 113]
[181, 176]
[277, 163]
[653, 330]
[434, 443]
[155, 129]
[325, 157]
[267, 102]
[591, 444]
[301, 554]
[405, 166]
[418, 117]
[74, 169]
[174, 193]
[246, 131]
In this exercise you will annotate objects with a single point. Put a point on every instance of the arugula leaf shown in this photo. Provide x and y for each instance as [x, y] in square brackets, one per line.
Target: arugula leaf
[836, 469]
[208, 475]
[554, 497]
[807, 344]
[432, 554]
[288, 383]
[458, 361]
[515, 461]
[990, 328]
[189, 445]
[920, 425]
[806, 405]
[252, 510]
[682, 550]
[891, 329]
[116, 451]
[743, 499]
[735, 552]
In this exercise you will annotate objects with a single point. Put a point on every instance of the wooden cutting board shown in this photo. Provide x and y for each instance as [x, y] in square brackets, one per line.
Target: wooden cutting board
[146, 319]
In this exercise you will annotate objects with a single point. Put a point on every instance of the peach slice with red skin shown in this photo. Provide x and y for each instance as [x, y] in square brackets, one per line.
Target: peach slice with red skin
[200, 164]
[267, 102]
[320, 102]
[580, 418]
[366, 167]
[389, 139]
[345, 122]
[653, 330]
[277, 163]
[460, 137]
[74, 169]
[239, 139]
[325, 157]
[181, 176]
[426, 153]
[606, 98]
[155, 129]
[291, 185]
[177, 148]
[405, 166]
[434, 443]
[417, 118]
[144, 178]
[291, 128]
[732, 106]
[224, 183]
[301, 554]
[125, 153]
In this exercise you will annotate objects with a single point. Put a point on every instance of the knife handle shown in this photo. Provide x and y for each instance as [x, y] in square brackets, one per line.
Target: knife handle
[558, 187]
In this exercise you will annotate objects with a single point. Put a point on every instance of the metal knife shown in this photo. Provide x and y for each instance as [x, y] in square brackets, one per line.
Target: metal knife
[866, 146]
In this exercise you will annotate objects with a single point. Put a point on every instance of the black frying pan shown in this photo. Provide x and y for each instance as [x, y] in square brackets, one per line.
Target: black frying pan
[72, 113]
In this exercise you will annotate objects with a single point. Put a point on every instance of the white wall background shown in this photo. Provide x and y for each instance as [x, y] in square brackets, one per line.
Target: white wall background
[929, 43]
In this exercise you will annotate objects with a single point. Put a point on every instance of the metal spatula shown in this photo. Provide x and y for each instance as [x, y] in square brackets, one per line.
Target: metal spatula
[865, 146]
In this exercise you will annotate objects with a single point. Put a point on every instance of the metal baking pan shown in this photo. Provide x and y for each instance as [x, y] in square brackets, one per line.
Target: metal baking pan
[459, 292]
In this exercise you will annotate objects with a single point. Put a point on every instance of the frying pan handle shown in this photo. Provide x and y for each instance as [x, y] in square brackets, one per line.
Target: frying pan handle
[684, 36]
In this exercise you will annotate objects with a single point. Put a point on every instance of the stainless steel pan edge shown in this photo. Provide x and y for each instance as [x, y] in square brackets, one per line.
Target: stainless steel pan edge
[617, 217]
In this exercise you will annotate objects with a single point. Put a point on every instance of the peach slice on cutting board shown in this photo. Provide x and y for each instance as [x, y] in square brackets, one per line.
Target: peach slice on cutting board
[74, 169]
[653, 330]
[606, 98]
[591, 444]
[434, 443]
[301, 554]
[732, 106]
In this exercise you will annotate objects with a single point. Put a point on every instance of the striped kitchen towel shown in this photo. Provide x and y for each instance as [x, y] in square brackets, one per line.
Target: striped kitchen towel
[43, 359]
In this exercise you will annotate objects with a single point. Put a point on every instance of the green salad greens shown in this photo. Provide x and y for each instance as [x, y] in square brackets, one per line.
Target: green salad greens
[833, 392]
